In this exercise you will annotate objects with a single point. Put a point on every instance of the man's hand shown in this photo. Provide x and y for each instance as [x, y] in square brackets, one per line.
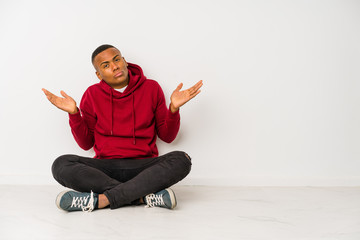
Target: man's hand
[179, 98]
[66, 103]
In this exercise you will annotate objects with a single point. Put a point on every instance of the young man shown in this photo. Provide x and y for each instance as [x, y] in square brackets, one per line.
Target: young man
[120, 118]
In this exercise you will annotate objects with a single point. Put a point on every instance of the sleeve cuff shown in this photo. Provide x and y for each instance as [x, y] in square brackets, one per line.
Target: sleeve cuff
[174, 115]
[75, 117]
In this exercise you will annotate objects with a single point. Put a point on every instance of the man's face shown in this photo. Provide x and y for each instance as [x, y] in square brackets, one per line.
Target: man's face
[112, 68]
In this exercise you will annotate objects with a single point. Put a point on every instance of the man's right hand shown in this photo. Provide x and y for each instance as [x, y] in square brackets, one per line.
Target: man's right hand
[66, 103]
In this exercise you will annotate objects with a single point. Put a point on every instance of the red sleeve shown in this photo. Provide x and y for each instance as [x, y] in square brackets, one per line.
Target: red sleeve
[82, 125]
[167, 123]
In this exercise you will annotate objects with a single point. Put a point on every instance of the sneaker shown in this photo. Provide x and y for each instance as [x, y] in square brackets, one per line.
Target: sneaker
[76, 201]
[165, 198]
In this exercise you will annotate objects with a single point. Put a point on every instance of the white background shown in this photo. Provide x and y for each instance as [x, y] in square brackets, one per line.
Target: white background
[280, 103]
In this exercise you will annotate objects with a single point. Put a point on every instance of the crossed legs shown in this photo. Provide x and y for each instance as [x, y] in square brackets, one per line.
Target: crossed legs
[120, 182]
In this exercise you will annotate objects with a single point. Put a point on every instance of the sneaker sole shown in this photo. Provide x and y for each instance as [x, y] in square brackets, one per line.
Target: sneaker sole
[172, 197]
[58, 198]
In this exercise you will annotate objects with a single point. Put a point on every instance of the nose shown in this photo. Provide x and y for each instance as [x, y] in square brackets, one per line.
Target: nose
[114, 66]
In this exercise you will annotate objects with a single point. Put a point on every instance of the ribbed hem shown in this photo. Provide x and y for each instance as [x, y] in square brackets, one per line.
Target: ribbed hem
[75, 117]
[174, 115]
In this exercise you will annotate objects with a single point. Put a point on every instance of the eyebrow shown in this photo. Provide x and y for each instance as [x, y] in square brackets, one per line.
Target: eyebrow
[112, 59]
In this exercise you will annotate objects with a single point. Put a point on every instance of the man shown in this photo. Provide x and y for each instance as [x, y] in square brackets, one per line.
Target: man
[121, 117]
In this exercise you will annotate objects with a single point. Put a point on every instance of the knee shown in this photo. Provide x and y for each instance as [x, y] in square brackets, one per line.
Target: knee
[181, 155]
[184, 159]
[61, 162]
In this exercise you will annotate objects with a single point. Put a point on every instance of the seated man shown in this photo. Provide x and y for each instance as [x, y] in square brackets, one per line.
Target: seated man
[121, 117]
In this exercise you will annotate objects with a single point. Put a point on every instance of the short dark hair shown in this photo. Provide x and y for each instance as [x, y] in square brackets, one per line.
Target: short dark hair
[99, 50]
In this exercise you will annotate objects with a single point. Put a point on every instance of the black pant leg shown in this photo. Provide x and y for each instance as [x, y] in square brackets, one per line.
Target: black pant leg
[154, 175]
[83, 174]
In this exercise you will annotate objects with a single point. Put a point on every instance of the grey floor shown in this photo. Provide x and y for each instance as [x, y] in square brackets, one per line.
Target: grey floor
[203, 212]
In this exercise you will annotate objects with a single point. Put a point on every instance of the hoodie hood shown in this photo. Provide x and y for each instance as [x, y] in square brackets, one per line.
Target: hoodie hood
[136, 79]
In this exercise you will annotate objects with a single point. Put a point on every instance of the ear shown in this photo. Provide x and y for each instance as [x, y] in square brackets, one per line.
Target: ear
[98, 75]
[125, 61]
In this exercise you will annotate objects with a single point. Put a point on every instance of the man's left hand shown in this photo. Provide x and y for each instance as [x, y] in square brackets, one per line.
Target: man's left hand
[179, 98]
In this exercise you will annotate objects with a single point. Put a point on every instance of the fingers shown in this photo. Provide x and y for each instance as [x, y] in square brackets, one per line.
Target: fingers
[49, 95]
[179, 87]
[195, 89]
[46, 92]
[64, 94]
[194, 94]
[52, 97]
[198, 85]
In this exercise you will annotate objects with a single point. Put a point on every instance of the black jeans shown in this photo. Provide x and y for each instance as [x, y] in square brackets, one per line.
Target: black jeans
[123, 181]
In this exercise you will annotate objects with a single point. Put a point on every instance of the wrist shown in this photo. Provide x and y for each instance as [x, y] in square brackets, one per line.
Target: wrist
[75, 111]
[173, 109]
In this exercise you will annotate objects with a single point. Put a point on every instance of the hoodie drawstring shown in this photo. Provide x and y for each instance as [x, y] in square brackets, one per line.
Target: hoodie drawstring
[133, 116]
[111, 112]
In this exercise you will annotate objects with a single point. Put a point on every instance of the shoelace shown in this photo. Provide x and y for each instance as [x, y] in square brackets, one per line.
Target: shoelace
[153, 200]
[81, 201]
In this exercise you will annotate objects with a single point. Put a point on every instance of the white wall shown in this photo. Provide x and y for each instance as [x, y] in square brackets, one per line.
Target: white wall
[280, 103]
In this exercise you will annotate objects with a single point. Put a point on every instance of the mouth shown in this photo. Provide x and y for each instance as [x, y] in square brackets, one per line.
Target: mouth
[119, 74]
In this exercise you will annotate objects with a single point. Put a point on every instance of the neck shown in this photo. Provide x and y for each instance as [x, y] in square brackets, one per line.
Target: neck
[121, 85]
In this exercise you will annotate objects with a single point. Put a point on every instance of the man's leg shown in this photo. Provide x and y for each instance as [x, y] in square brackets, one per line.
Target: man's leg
[123, 181]
[149, 176]
[83, 174]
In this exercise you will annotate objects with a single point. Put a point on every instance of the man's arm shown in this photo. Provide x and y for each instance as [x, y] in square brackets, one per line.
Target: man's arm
[168, 121]
[83, 134]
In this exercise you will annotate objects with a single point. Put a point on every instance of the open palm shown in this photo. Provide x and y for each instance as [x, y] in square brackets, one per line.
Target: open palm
[179, 98]
[65, 103]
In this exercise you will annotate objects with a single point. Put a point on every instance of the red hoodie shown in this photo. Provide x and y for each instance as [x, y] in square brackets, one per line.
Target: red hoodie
[124, 125]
